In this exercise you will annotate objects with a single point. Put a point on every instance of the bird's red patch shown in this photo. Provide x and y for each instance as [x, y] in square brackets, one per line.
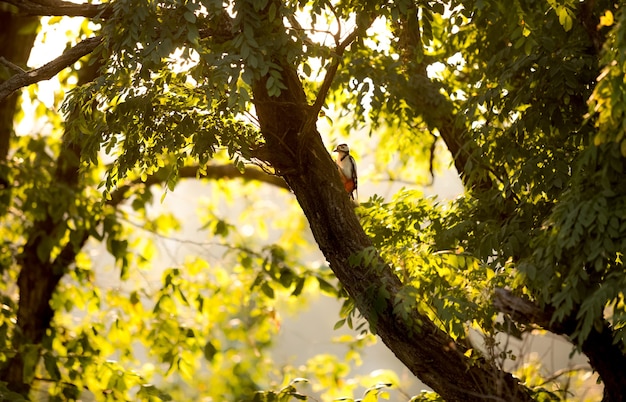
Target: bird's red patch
[348, 184]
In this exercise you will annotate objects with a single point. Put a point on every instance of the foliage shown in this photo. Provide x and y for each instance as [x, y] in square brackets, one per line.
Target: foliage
[446, 285]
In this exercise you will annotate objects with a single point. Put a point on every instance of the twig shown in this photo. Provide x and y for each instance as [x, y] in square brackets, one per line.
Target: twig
[325, 88]
[564, 371]
[50, 69]
[337, 35]
[12, 66]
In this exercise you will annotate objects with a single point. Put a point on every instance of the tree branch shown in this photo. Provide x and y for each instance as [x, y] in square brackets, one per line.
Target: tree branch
[61, 8]
[12, 66]
[214, 172]
[523, 311]
[599, 346]
[50, 69]
[330, 74]
[590, 22]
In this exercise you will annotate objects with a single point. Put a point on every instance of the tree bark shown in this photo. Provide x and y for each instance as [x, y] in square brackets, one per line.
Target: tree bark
[15, 45]
[212, 172]
[604, 355]
[40, 274]
[609, 361]
[294, 147]
[61, 8]
[49, 69]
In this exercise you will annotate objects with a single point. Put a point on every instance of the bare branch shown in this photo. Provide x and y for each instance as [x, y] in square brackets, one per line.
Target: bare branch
[326, 84]
[230, 171]
[565, 371]
[12, 66]
[50, 69]
[61, 8]
[336, 14]
[210, 172]
[527, 312]
[330, 74]
[520, 309]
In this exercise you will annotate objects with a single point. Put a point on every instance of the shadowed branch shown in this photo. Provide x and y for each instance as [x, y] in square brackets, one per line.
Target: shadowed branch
[60, 8]
[214, 172]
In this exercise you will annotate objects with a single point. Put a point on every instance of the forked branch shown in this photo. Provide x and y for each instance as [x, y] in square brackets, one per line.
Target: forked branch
[330, 74]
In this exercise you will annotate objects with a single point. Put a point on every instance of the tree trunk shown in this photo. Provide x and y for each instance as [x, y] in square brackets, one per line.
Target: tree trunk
[294, 147]
[17, 35]
[39, 274]
[609, 361]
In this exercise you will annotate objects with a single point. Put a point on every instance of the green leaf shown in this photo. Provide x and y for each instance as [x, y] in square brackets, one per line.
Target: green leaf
[221, 228]
[339, 324]
[30, 357]
[190, 17]
[209, 351]
[44, 248]
[565, 18]
[50, 363]
[149, 391]
[10, 395]
[267, 290]
[272, 12]
[297, 290]
[326, 286]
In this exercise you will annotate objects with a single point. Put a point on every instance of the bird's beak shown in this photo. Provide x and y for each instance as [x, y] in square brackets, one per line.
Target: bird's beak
[336, 149]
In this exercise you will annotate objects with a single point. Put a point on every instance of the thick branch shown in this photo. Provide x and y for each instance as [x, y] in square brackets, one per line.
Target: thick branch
[604, 355]
[50, 69]
[524, 311]
[61, 8]
[590, 22]
[287, 124]
[214, 172]
[437, 111]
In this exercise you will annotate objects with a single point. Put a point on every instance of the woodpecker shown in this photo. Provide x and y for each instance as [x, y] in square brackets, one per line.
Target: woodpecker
[347, 168]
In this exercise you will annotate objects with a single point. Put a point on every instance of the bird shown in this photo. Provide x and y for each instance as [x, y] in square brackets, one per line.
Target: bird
[347, 168]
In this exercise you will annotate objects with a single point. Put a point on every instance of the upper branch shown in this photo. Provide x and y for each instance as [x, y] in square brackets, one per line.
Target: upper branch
[330, 74]
[61, 8]
[50, 69]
